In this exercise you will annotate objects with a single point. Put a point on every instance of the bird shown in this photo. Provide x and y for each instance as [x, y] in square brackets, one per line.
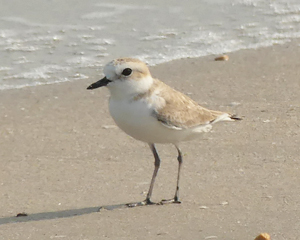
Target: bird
[150, 111]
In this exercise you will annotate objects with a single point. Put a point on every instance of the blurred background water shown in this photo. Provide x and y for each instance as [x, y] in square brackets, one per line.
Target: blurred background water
[49, 41]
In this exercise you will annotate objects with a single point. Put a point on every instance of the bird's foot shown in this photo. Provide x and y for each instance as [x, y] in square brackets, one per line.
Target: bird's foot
[166, 201]
[139, 204]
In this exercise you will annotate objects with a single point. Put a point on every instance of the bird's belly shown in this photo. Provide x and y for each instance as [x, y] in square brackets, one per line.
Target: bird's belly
[136, 119]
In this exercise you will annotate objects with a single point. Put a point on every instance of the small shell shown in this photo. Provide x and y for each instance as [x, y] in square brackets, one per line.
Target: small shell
[222, 58]
[263, 236]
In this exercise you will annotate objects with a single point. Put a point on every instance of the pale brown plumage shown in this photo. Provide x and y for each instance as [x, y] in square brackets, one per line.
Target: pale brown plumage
[177, 109]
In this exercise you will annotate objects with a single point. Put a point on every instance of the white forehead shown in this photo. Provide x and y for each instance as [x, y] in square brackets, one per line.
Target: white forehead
[111, 69]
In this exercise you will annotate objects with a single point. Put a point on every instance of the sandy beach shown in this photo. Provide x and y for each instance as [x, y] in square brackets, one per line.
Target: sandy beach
[62, 157]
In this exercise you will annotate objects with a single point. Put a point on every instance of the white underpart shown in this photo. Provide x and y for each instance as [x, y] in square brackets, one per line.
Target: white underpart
[136, 119]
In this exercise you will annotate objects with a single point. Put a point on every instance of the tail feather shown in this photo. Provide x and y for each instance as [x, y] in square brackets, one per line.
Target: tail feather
[226, 117]
[236, 117]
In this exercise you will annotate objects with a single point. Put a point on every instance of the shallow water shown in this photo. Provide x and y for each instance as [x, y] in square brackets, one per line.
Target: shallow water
[44, 42]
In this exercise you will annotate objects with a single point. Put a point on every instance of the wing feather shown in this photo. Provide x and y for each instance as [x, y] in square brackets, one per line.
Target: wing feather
[179, 111]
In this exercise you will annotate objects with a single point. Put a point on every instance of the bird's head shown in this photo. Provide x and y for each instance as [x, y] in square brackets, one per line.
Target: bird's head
[125, 76]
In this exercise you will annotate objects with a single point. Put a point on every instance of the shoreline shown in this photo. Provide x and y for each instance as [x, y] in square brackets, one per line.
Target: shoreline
[212, 56]
[60, 150]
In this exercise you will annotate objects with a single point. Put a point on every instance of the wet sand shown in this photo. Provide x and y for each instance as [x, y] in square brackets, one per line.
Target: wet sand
[62, 157]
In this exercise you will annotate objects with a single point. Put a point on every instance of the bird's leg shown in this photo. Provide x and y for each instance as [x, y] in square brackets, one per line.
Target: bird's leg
[179, 158]
[176, 197]
[147, 201]
[156, 167]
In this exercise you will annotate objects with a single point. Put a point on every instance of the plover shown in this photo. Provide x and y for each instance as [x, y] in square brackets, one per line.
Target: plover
[150, 111]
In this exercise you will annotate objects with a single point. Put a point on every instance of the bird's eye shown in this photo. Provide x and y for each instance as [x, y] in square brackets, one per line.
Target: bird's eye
[126, 72]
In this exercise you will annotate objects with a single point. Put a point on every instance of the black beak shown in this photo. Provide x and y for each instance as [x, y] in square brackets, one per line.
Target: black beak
[103, 82]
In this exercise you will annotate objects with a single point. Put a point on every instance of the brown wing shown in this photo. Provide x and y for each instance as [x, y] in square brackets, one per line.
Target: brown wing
[181, 111]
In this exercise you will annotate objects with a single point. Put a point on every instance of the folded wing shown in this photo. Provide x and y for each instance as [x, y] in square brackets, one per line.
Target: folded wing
[181, 112]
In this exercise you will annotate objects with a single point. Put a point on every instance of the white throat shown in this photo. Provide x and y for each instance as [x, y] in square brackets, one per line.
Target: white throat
[126, 89]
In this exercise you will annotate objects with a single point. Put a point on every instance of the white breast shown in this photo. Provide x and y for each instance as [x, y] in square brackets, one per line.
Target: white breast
[136, 119]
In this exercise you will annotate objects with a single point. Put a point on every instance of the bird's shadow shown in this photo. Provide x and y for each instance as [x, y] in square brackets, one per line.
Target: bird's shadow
[24, 217]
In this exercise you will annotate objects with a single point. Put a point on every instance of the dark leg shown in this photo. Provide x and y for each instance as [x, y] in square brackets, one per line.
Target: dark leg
[179, 158]
[176, 197]
[156, 167]
[147, 201]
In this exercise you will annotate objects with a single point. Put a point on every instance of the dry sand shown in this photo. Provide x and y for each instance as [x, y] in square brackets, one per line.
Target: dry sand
[62, 158]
